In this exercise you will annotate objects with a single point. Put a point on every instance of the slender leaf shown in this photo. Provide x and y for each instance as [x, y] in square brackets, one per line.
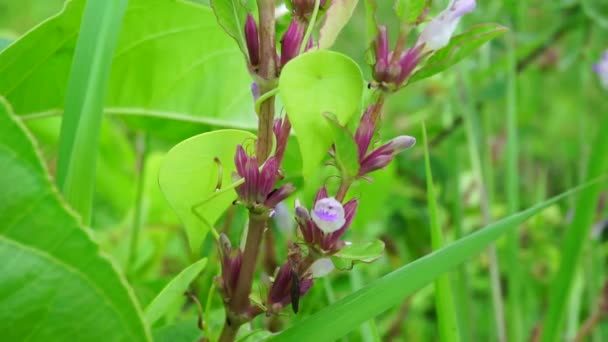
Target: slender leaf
[459, 47]
[173, 291]
[444, 298]
[346, 314]
[81, 124]
[336, 17]
[231, 15]
[56, 286]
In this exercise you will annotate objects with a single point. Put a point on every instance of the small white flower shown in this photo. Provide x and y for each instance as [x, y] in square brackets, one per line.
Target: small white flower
[601, 68]
[438, 32]
[328, 215]
[321, 267]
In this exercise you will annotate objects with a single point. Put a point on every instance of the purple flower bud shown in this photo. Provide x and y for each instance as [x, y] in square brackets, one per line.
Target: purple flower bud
[408, 62]
[231, 259]
[328, 215]
[381, 68]
[258, 185]
[252, 40]
[601, 68]
[278, 195]
[281, 129]
[373, 163]
[280, 292]
[438, 32]
[267, 179]
[365, 131]
[290, 44]
[401, 143]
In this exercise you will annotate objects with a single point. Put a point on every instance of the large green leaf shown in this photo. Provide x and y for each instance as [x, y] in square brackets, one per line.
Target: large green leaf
[173, 61]
[347, 314]
[311, 85]
[55, 284]
[190, 177]
[460, 46]
[173, 291]
[337, 16]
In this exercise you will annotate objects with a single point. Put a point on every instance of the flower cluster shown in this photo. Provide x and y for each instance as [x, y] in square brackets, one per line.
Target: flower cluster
[391, 71]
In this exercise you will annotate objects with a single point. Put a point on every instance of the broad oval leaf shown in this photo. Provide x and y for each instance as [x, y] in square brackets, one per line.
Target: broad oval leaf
[313, 84]
[337, 16]
[170, 56]
[173, 291]
[336, 320]
[196, 186]
[459, 47]
[56, 285]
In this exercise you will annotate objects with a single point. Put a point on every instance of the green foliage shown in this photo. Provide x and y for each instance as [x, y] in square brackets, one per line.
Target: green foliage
[198, 187]
[336, 320]
[596, 10]
[336, 17]
[231, 15]
[81, 124]
[173, 291]
[346, 151]
[409, 10]
[53, 273]
[35, 69]
[361, 252]
[311, 85]
[460, 46]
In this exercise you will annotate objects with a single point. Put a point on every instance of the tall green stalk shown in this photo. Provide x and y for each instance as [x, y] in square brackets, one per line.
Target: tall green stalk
[85, 94]
[444, 299]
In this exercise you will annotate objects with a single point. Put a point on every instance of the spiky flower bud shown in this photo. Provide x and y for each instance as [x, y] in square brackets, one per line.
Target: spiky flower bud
[290, 44]
[252, 40]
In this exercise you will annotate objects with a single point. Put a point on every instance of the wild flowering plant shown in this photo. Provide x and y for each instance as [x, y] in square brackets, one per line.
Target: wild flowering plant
[322, 224]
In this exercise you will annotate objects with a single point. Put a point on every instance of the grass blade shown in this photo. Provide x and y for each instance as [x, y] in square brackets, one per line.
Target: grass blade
[576, 236]
[84, 101]
[348, 313]
[444, 299]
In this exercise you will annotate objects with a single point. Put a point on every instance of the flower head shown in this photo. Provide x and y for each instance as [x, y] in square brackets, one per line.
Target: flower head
[327, 223]
[601, 68]
[390, 71]
[258, 186]
[438, 32]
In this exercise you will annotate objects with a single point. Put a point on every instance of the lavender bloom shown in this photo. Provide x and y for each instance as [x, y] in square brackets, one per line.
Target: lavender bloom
[290, 44]
[252, 40]
[328, 215]
[383, 155]
[315, 236]
[258, 188]
[438, 32]
[601, 68]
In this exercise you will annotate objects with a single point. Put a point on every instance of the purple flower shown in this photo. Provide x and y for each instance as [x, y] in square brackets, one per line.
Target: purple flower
[231, 259]
[383, 155]
[327, 240]
[252, 40]
[290, 44]
[258, 186]
[387, 71]
[601, 68]
[365, 131]
[280, 292]
[438, 32]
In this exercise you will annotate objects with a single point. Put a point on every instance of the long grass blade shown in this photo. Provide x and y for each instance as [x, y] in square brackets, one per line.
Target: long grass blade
[79, 138]
[348, 313]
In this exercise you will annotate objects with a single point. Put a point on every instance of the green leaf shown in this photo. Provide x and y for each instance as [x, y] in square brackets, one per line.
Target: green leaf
[81, 124]
[56, 286]
[183, 331]
[362, 252]
[315, 83]
[337, 16]
[173, 291]
[575, 238]
[444, 298]
[409, 10]
[459, 47]
[596, 10]
[338, 319]
[189, 177]
[347, 152]
[165, 60]
[231, 15]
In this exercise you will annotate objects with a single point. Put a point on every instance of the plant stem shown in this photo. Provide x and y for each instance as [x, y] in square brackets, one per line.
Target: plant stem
[311, 26]
[141, 147]
[344, 185]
